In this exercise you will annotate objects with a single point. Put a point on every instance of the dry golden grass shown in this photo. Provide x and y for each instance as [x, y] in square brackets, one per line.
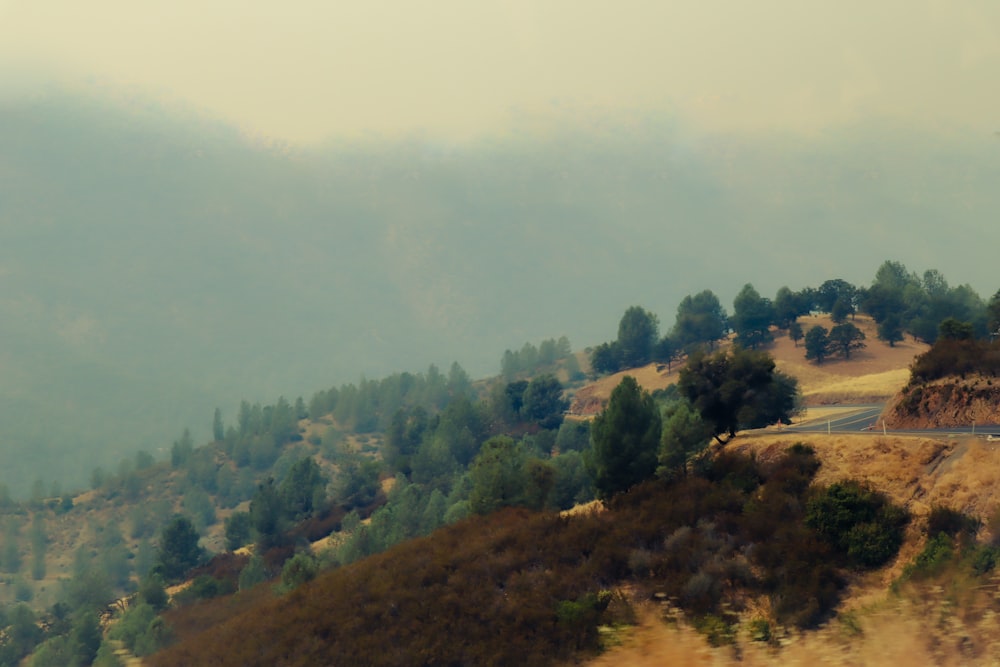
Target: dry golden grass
[592, 398]
[962, 473]
[585, 508]
[874, 627]
[896, 633]
[873, 374]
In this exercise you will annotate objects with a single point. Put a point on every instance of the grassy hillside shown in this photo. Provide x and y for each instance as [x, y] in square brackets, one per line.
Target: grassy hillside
[885, 618]
[534, 588]
[498, 570]
[728, 553]
[155, 265]
[872, 375]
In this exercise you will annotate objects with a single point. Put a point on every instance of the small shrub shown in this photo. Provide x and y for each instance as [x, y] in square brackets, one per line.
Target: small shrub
[23, 591]
[204, 587]
[870, 545]
[153, 593]
[299, 569]
[760, 630]
[716, 629]
[984, 559]
[937, 553]
[640, 562]
[849, 623]
[580, 617]
[701, 591]
[857, 521]
[950, 522]
[993, 526]
[254, 573]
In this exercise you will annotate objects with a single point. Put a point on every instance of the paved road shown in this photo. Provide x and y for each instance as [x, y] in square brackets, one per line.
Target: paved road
[843, 418]
[864, 418]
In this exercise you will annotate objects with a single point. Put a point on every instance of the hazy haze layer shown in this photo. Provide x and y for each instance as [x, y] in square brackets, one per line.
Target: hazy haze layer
[303, 71]
[154, 267]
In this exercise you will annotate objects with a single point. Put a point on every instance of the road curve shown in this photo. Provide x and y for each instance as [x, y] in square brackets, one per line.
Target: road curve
[865, 419]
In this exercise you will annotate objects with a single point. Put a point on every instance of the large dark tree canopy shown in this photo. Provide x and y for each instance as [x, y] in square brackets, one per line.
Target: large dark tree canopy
[738, 389]
[901, 301]
[833, 291]
[845, 338]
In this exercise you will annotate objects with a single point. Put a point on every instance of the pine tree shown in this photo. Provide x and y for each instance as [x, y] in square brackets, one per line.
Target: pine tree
[625, 440]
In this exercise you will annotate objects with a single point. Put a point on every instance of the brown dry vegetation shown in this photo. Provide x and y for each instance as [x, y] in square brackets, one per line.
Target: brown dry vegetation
[872, 374]
[523, 554]
[952, 384]
[494, 582]
[946, 622]
[897, 631]
[592, 398]
[522, 588]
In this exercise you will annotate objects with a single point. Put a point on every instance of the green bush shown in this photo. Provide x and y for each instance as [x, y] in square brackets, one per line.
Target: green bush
[858, 522]
[937, 553]
[869, 545]
[580, 617]
[205, 587]
[760, 630]
[984, 559]
[950, 522]
[717, 630]
[299, 569]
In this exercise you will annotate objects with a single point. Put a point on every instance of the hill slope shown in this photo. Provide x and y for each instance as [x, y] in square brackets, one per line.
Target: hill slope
[154, 264]
[875, 627]
[872, 375]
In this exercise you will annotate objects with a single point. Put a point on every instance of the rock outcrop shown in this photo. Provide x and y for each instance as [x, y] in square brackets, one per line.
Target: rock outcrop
[945, 403]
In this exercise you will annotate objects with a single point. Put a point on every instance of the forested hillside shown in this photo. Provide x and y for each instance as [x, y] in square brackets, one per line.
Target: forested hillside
[153, 263]
[289, 505]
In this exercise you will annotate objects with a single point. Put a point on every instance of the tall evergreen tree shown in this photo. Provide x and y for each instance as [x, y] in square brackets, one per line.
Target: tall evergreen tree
[625, 439]
[701, 320]
[752, 317]
[685, 435]
[179, 549]
[498, 475]
[218, 432]
[637, 334]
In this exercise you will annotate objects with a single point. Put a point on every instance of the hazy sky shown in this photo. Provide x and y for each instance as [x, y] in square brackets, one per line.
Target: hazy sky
[303, 71]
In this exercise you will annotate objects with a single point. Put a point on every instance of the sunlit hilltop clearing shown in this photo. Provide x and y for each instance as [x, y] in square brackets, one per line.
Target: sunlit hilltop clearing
[872, 375]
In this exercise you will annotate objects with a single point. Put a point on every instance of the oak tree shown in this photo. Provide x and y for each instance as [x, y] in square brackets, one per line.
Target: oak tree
[738, 389]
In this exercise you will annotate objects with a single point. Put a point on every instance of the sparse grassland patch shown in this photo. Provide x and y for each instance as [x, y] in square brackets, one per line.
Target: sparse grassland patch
[872, 374]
